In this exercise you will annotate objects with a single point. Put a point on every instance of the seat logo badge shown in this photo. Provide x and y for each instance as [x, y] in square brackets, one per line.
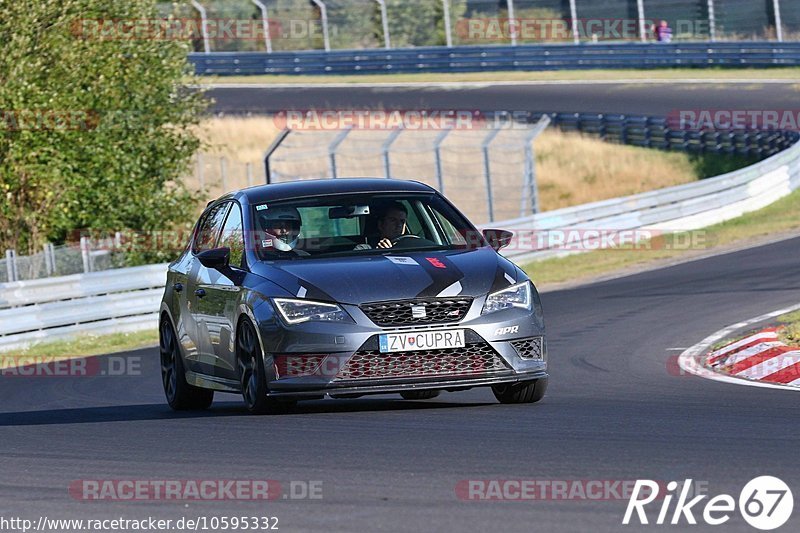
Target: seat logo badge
[418, 311]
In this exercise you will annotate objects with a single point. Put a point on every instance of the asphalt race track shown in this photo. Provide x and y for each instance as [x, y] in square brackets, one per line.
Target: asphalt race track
[638, 98]
[616, 410]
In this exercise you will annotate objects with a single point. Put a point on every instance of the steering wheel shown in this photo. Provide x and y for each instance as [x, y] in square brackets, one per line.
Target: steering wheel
[403, 237]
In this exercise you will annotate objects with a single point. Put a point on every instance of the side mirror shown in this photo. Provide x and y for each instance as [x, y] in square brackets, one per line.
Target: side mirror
[217, 258]
[497, 238]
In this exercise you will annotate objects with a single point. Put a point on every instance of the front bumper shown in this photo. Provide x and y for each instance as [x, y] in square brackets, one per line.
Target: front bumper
[407, 384]
[321, 355]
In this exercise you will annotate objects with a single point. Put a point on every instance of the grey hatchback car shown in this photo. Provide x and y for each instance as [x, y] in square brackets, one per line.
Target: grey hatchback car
[346, 287]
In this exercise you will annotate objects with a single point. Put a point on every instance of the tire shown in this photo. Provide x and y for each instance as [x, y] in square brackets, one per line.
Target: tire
[252, 375]
[180, 395]
[524, 392]
[420, 394]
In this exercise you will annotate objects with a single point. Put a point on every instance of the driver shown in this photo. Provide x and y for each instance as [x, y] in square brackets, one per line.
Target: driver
[283, 223]
[391, 225]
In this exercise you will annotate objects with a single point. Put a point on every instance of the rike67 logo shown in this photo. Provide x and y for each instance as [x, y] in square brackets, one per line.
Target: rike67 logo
[765, 503]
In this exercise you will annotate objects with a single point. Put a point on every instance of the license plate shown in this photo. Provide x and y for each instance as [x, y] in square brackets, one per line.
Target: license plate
[422, 340]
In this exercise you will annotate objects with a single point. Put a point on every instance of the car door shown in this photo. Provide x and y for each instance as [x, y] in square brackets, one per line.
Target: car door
[203, 359]
[222, 296]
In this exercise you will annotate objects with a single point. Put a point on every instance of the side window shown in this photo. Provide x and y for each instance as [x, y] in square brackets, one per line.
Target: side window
[208, 232]
[452, 235]
[232, 236]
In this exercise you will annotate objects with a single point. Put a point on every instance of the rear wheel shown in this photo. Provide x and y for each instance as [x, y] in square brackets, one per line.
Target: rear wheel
[419, 394]
[180, 395]
[524, 392]
[252, 374]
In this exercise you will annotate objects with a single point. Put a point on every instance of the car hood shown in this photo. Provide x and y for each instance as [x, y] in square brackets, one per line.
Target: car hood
[398, 276]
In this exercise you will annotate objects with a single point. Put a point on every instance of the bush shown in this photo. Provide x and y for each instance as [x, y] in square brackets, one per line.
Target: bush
[111, 161]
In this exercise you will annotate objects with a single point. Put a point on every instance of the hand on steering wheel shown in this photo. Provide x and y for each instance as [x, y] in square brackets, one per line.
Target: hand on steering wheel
[402, 237]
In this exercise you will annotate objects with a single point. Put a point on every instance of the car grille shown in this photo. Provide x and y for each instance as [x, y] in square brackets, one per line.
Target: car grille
[407, 312]
[474, 359]
[529, 348]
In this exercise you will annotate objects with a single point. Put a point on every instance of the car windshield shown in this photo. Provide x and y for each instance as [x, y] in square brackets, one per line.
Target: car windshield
[363, 224]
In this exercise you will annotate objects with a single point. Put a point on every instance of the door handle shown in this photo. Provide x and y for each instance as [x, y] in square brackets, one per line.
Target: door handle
[200, 293]
[178, 287]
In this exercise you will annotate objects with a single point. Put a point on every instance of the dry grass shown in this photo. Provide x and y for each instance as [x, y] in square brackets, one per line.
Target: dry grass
[571, 168]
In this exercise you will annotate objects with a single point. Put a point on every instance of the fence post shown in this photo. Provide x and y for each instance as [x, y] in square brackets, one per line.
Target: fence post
[447, 30]
[87, 266]
[48, 261]
[323, 11]
[203, 25]
[573, 12]
[487, 172]
[387, 170]
[776, 4]
[437, 155]
[265, 21]
[332, 150]
[200, 178]
[531, 186]
[11, 265]
[249, 169]
[272, 147]
[385, 23]
[640, 8]
[512, 23]
[712, 22]
[223, 170]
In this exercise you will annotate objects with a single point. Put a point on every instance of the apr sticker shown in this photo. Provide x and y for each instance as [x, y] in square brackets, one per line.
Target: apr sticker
[261, 207]
[401, 260]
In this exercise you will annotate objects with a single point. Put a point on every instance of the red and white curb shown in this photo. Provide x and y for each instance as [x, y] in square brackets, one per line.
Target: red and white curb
[759, 360]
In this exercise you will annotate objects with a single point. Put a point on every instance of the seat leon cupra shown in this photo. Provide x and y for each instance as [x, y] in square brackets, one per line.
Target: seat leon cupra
[346, 287]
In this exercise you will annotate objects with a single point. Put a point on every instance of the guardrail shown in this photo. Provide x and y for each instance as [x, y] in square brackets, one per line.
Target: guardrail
[113, 301]
[679, 208]
[491, 58]
[668, 134]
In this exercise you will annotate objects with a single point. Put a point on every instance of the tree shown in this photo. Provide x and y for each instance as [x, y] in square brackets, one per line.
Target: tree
[96, 124]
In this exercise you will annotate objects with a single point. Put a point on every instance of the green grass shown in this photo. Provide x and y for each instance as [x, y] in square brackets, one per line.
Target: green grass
[781, 216]
[87, 345]
[792, 73]
[790, 334]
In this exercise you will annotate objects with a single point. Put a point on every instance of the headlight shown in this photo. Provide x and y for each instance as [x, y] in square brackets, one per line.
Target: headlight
[518, 295]
[297, 311]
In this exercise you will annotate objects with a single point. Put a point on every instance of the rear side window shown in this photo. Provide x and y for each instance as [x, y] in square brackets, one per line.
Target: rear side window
[208, 232]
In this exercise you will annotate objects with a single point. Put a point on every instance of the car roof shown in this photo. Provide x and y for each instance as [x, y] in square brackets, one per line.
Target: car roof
[322, 187]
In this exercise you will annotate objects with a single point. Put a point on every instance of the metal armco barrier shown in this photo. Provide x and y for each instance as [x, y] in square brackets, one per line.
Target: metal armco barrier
[113, 301]
[490, 58]
[680, 208]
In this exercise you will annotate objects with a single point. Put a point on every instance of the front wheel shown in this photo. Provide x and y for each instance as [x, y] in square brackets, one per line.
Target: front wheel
[523, 392]
[180, 395]
[252, 374]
